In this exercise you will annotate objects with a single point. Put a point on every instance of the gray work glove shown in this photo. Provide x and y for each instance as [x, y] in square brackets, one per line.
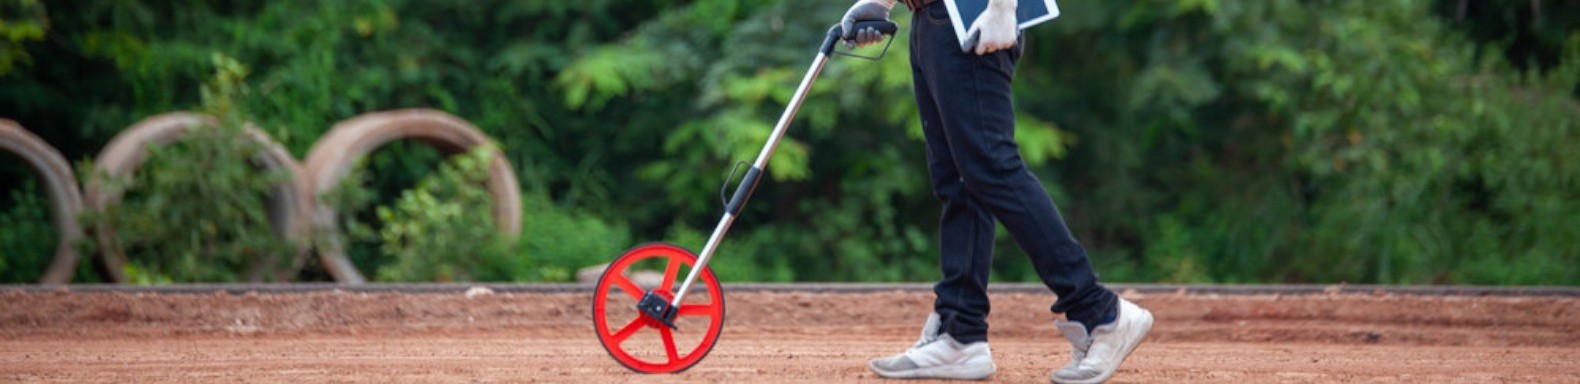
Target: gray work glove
[864, 10]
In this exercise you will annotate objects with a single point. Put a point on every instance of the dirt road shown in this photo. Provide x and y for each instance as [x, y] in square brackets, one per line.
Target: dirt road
[768, 337]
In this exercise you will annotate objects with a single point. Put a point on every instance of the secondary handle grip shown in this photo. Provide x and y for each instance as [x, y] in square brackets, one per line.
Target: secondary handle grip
[837, 32]
[883, 26]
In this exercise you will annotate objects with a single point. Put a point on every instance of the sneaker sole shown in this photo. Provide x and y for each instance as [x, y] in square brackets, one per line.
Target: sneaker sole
[955, 372]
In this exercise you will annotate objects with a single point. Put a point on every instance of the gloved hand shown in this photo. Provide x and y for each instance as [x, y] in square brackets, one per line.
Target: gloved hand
[996, 27]
[864, 10]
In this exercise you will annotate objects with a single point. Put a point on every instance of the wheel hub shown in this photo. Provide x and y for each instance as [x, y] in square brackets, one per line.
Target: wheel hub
[656, 309]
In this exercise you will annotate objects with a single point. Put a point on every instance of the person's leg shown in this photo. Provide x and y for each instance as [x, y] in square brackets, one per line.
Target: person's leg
[976, 116]
[965, 229]
[955, 348]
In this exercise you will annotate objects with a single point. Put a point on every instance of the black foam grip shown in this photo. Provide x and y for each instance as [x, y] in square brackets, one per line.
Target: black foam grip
[883, 26]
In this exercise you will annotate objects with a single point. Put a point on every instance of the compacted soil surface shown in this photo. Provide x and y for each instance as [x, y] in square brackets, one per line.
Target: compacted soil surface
[768, 337]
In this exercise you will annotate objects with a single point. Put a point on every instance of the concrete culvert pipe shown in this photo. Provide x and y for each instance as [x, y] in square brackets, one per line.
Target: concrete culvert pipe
[64, 197]
[337, 152]
[290, 204]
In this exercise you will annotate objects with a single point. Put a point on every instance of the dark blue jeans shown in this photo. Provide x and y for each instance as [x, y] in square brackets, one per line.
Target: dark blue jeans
[968, 118]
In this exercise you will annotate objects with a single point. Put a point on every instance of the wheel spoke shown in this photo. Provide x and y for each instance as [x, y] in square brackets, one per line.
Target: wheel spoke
[626, 285]
[669, 344]
[670, 270]
[697, 310]
[627, 331]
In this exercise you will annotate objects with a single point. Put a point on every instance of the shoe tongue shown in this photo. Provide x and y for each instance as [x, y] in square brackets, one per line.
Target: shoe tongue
[930, 330]
[1073, 331]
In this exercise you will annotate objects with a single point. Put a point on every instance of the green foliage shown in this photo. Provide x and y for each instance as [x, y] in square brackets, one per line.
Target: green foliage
[555, 242]
[20, 21]
[196, 210]
[441, 230]
[1320, 146]
[1389, 141]
[1429, 154]
[27, 236]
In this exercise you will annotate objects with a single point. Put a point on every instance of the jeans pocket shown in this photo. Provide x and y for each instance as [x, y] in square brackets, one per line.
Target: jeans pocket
[937, 14]
[1001, 61]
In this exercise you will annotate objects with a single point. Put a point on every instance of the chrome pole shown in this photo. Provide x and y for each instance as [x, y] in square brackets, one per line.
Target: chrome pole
[761, 164]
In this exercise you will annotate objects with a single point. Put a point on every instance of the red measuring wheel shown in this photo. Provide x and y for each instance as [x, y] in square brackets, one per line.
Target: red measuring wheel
[657, 337]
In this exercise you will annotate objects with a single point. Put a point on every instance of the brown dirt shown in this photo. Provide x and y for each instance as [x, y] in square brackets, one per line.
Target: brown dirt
[768, 337]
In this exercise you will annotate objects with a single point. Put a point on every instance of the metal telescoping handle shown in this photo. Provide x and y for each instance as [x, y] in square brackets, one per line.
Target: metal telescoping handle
[749, 182]
[732, 208]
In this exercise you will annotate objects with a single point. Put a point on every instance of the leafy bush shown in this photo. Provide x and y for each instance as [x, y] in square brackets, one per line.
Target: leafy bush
[442, 230]
[1308, 141]
[555, 242]
[27, 236]
[196, 210]
[20, 21]
[1388, 141]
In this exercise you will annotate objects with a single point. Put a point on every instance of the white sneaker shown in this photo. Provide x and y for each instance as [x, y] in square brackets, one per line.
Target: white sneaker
[1107, 347]
[937, 356]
